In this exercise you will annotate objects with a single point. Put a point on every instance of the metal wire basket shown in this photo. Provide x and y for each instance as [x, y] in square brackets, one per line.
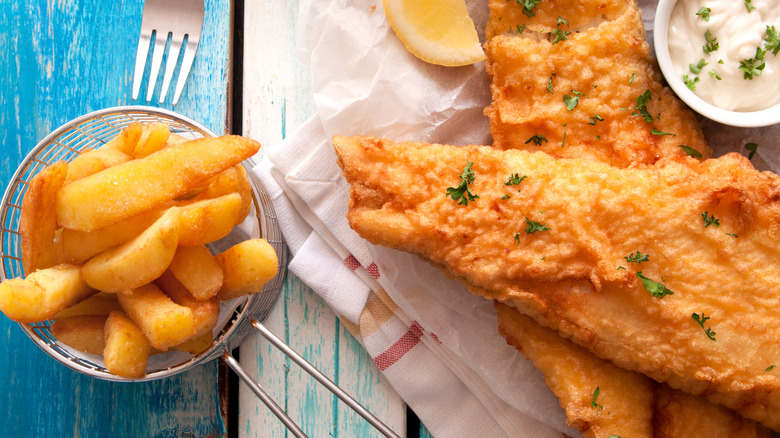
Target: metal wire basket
[238, 317]
[93, 130]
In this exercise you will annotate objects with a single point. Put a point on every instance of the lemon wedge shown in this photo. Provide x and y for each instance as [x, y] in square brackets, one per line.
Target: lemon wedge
[436, 31]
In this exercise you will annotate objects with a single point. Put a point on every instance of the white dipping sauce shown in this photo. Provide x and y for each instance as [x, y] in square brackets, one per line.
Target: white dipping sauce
[739, 33]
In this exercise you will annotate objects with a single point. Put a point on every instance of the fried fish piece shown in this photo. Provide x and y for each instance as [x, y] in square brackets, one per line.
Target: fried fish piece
[563, 246]
[597, 94]
[599, 398]
[678, 414]
[509, 17]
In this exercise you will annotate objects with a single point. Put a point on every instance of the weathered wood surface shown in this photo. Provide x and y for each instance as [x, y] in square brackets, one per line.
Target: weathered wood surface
[62, 59]
[277, 98]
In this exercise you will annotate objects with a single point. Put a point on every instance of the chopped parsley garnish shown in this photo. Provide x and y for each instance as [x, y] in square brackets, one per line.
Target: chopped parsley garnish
[704, 13]
[563, 142]
[537, 140]
[770, 367]
[661, 133]
[752, 67]
[631, 79]
[593, 402]
[528, 6]
[505, 197]
[690, 83]
[637, 257]
[715, 74]
[515, 179]
[691, 151]
[560, 35]
[571, 101]
[562, 21]
[462, 193]
[619, 268]
[533, 226]
[696, 68]
[712, 43]
[749, 6]
[520, 28]
[595, 119]
[641, 107]
[732, 235]
[752, 147]
[550, 84]
[710, 220]
[772, 40]
[701, 320]
[656, 289]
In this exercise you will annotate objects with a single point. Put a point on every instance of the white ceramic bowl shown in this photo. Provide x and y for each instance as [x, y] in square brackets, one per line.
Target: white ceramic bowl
[750, 119]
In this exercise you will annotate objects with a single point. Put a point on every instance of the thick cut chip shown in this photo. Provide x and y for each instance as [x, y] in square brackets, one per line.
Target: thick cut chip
[247, 266]
[38, 221]
[205, 312]
[153, 138]
[82, 332]
[197, 270]
[93, 161]
[598, 94]
[557, 245]
[80, 246]
[127, 349]
[43, 293]
[138, 261]
[162, 321]
[99, 304]
[599, 398]
[197, 344]
[233, 180]
[133, 187]
[208, 220]
[127, 138]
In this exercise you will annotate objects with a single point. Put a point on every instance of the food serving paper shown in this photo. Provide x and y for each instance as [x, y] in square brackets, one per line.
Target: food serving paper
[366, 82]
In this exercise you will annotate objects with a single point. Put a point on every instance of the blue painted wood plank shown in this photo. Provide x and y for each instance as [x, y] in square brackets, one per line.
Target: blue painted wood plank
[62, 59]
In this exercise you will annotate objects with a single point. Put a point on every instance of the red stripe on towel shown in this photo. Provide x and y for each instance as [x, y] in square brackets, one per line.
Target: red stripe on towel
[400, 348]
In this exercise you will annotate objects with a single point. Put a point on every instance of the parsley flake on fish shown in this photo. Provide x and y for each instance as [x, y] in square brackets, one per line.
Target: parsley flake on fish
[533, 226]
[655, 288]
[537, 140]
[462, 193]
[641, 107]
[637, 257]
[701, 320]
[594, 403]
[710, 220]
[571, 101]
[691, 151]
[515, 179]
[528, 6]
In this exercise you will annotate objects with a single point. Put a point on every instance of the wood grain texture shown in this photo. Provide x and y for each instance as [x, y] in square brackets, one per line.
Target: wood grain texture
[62, 59]
[277, 99]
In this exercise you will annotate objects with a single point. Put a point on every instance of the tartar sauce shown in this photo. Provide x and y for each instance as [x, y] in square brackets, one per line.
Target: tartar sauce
[716, 47]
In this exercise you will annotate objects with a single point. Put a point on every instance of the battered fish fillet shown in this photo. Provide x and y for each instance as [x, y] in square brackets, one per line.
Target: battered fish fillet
[597, 94]
[678, 414]
[506, 16]
[631, 409]
[599, 398]
[559, 247]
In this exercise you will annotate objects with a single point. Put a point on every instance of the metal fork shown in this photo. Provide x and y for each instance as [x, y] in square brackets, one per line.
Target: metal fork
[177, 18]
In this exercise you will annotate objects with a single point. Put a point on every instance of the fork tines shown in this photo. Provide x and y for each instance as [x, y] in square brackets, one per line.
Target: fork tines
[164, 19]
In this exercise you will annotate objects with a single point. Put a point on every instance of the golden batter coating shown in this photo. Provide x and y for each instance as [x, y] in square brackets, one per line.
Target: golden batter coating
[507, 16]
[599, 398]
[598, 94]
[559, 248]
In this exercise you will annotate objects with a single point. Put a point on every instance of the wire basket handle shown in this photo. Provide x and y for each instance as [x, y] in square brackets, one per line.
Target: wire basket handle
[309, 368]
